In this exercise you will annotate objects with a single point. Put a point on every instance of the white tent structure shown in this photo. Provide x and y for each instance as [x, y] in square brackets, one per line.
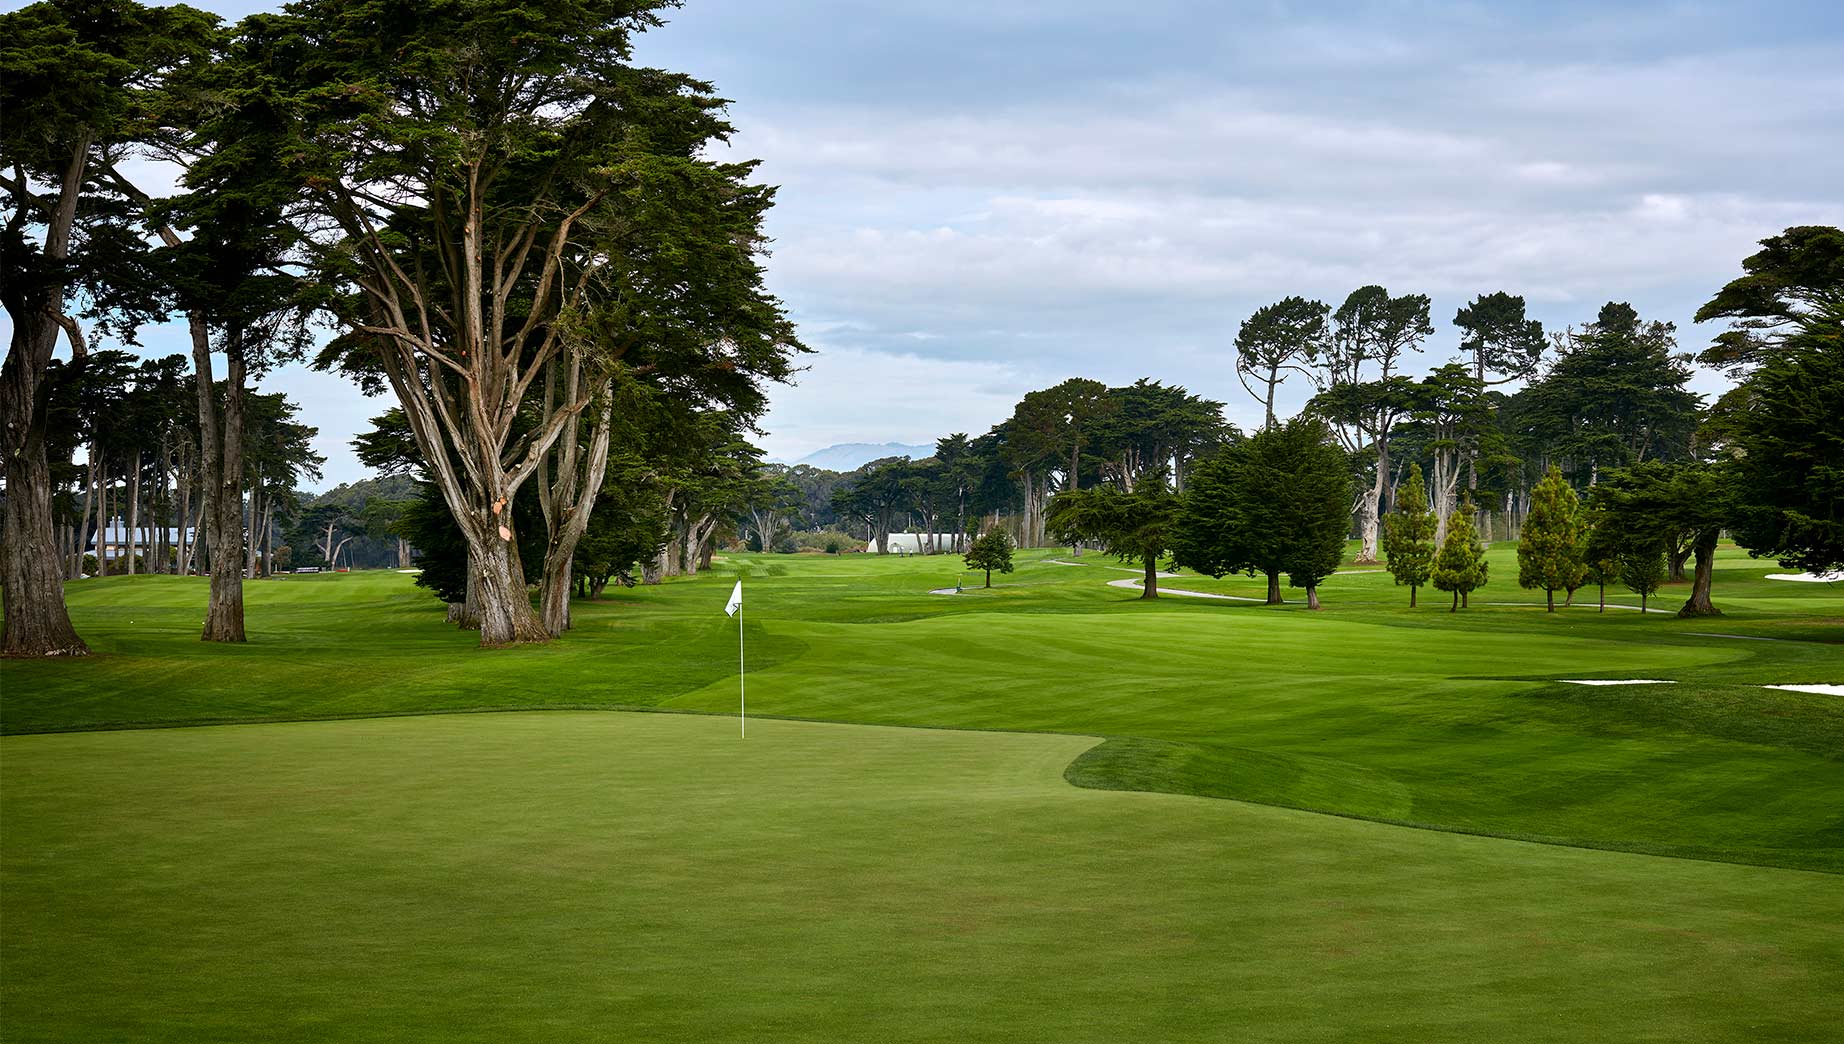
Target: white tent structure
[913, 544]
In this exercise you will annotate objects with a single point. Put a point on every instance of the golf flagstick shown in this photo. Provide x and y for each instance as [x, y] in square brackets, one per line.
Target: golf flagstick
[735, 608]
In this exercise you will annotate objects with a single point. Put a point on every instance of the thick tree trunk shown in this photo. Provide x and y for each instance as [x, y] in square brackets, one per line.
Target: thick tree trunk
[468, 617]
[1149, 588]
[1412, 589]
[1274, 589]
[988, 578]
[1549, 593]
[1368, 518]
[1312, 596]
[31, 589]
[223, 452]
[31, 580]
[554, 596]
[1455, 607]
[505, 612]
[1677, 558]
[1699, 603]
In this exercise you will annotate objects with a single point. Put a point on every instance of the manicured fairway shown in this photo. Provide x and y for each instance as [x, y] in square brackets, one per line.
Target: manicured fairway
[571, 876]
[1454, 721]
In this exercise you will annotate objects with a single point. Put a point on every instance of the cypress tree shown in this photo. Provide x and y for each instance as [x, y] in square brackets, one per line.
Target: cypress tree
[1460, 567]
[1549, 555]
[1408, 535]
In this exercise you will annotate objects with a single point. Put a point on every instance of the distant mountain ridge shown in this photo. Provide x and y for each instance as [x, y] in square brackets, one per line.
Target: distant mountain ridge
[852, 455]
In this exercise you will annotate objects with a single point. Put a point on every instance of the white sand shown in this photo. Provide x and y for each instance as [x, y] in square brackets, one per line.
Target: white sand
[1808, 578]
[1135, 585]
[1822, 690]
[1616, 681]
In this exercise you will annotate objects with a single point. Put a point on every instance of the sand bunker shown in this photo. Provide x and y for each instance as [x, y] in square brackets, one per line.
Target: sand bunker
[1615, 681]
[1822, 690]
[1808, 578]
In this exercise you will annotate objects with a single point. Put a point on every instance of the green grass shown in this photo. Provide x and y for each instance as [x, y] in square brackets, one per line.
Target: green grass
[546, 876]
[537, 877]
[1448, 720]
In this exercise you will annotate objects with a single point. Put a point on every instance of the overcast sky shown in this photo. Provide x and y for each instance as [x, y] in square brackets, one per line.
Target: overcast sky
[977, 199]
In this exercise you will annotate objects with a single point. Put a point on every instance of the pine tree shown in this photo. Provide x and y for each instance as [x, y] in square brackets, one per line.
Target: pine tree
[1642, 570]
[1549, 554]
[1408, 535]
[1460, 567]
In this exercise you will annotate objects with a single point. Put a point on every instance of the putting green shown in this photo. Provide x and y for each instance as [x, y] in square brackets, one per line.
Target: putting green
[568, 876]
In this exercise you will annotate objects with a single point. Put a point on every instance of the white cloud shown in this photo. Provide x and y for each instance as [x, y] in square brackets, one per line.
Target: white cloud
[850, 394]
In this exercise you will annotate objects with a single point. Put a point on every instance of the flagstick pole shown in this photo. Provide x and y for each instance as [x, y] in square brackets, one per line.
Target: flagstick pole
[742, 688]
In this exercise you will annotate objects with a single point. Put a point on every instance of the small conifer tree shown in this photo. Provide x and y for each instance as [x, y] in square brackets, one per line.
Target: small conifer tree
[1642, 570]
[1460, 567]
[1601, 552]
[990, 552]
[1549, 552]
[1408, 535]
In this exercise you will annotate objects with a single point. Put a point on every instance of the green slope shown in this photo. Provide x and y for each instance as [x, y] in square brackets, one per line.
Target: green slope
[1447, 720]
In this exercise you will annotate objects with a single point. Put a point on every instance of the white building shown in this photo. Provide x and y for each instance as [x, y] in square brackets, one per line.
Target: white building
[115, 541]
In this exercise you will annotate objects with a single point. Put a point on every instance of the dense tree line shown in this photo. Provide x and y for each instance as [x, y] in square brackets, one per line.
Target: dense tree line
[1599, 458]
[514, 230]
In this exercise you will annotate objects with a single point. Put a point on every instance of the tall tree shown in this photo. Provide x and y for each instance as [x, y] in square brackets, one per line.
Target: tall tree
[1616, 396]
[1450, 408]
[1150, 426]
[875, 495]
[1361, 394]
[1275, 503]
[1789, 450]
[505, 207]
[1549, 553]
[1135, 526]
[1408, 536]
[1794, 275]
[1653, 501]
[71, 74]
[1460, 567]
[1283, 338]
[1504, 344]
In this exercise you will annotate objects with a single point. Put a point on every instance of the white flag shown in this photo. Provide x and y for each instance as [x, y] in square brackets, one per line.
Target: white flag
[736, 600]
